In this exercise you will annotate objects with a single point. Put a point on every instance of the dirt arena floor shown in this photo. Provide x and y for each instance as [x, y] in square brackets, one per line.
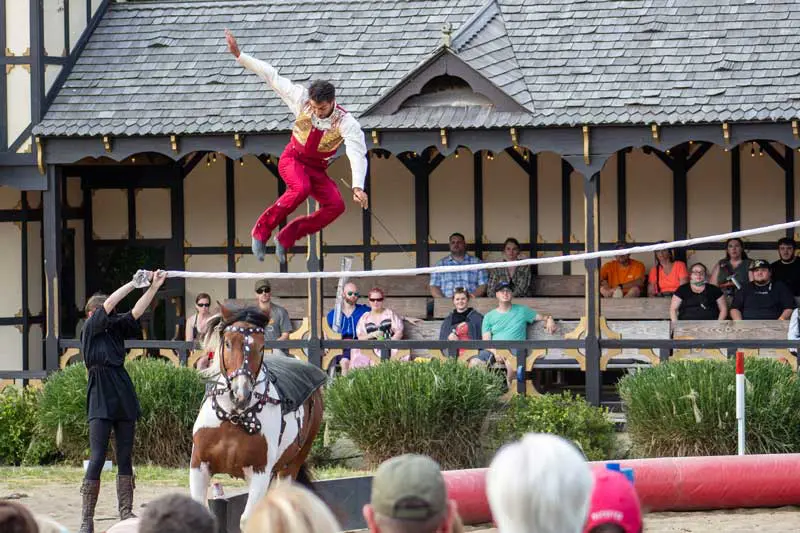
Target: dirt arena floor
[62, 502]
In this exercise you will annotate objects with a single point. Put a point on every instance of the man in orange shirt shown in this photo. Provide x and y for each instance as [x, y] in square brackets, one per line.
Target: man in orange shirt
[622, 277]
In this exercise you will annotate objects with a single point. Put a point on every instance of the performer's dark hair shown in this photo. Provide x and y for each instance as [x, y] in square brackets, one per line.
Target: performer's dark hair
[322, 91]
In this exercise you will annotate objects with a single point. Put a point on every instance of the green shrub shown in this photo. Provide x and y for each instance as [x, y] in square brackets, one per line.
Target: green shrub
[17, 423]
[170, 398]
[565, 415]
[434, 408]
[689, 408]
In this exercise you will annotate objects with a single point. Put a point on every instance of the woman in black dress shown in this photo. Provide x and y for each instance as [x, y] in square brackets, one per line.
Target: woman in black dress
[111, 399]
[698, 299]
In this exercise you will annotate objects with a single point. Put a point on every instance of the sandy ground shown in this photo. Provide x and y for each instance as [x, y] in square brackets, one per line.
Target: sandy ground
[62, 503]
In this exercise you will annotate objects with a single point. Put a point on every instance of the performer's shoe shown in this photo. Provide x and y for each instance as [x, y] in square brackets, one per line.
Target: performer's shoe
[280, 251]
[125, 488]
[90, 490]
[259, 248]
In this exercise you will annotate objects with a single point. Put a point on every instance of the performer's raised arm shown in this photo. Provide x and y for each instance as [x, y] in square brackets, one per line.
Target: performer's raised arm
[293, 94]
[356, 149]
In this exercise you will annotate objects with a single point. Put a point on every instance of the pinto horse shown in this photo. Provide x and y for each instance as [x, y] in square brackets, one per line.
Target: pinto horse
[260, 414]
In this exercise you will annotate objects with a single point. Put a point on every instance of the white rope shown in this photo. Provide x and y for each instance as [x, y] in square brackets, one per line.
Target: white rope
[481, 266]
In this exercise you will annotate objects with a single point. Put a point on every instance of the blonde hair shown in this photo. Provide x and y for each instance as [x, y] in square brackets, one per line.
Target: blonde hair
[290, 508]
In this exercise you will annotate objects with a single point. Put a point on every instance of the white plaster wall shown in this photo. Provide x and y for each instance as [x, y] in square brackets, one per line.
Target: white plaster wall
[34, 199]
[392, 200]
[607, 205]
[18, 84]
[10, 348]
[18, 26]
[649, 196]
[110, 213]
[709, 210]
[34, 267]
[577, 217]
[347, 228]
[549, 208]
[452, 198]
[248, 263]
[205, 213]
[53, 11]
[506, 193]
[763, 193]
[11, 269]
[35, 351]
[10, 198]
[333, 262]
[77, 21]
[217, 288]
[153, 214]
[254, 189]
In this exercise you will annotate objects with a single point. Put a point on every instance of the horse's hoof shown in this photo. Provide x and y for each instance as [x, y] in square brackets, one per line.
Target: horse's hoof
[259, 249]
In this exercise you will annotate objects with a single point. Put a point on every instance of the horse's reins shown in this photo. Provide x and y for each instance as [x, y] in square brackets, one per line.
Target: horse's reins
[247, 418]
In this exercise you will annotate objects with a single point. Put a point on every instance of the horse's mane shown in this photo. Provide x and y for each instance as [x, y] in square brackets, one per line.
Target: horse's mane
[217, 324]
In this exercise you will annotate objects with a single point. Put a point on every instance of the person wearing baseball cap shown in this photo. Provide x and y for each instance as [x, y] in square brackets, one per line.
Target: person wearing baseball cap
[409, 494]
[278, 324]
[615, 505]
[762, 298]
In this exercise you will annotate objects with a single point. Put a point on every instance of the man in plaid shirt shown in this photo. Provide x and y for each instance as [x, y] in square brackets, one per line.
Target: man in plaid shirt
[444, 283]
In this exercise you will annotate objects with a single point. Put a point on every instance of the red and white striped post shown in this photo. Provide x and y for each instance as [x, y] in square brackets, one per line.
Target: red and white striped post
[740, 393]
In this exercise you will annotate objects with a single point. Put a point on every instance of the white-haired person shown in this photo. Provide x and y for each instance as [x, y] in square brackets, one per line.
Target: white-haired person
[290, 508]
[539, 484]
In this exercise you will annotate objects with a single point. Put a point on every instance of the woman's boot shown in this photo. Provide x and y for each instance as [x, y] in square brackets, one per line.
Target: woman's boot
[125, 486]
[89, 490]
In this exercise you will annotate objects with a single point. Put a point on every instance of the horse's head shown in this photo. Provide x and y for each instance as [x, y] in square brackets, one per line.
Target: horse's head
[241, 352]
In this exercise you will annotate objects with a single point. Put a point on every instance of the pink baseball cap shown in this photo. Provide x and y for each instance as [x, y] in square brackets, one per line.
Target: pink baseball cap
[614, 501]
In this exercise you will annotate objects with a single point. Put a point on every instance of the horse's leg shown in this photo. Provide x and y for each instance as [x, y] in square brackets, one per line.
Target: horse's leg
[309, 431]
[199, 478]
[258, 485]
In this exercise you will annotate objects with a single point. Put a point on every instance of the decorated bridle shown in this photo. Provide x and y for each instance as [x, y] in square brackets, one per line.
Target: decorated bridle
[247, 419]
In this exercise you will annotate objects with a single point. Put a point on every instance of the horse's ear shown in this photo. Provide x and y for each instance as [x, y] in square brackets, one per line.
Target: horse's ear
[226, 313]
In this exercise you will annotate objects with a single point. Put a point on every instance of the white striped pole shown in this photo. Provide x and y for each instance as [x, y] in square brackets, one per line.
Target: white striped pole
[740, 399]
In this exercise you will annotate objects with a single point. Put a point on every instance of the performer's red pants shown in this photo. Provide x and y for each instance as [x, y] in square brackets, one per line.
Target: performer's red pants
[302, 178]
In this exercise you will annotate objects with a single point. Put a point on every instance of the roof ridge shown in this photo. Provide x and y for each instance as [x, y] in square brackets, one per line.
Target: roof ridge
[474, 24]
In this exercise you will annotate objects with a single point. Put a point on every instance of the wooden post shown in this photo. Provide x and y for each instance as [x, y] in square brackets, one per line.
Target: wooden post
[591, 231]
[315, 311]
[51, 230]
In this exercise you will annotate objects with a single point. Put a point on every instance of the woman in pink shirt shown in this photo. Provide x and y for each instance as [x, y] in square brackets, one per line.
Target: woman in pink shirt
[666, 275]
[378, 324]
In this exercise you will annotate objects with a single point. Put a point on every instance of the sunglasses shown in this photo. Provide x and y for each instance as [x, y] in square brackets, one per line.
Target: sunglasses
[351, 293]
[203, 305]
[376, 299]
[262, 291]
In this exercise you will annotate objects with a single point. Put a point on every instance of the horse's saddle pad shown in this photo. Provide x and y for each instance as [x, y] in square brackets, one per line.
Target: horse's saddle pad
[296, 380]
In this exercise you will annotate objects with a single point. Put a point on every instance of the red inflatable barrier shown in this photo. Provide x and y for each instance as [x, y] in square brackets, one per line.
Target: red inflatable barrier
[672, 484]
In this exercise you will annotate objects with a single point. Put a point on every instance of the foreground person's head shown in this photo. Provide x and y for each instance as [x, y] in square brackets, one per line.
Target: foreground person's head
[541, 483]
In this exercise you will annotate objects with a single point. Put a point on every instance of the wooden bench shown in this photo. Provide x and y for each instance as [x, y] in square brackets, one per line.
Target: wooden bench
[733, 330]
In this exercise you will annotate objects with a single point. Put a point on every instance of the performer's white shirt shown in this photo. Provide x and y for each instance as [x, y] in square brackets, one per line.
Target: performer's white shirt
[295, 96]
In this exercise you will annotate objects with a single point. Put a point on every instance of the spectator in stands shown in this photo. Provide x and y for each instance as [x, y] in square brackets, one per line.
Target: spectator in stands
[731, 273]
[762, 298]
[463, 323]
[176, 513]
[622, 277]
[352, 311]
[409, 495]
[698, 299]
[379, 323]
[278, 326]
[443, 283]
[196, 325]
[508, 322]
[615, 506]
[519, 277]
[787, 267]
[16, 518]
[290, 508]
[666, 275]
[539, 484]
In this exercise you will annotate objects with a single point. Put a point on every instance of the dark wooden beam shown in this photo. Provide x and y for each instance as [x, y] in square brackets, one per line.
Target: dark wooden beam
[593, 373]
[192, 162]
[230, 211]
[26, 352]
[477, 175]
[770, 150]
[697, 155]
[622, 195]
[788, 169]
[736, 189]
[51, 200]
[566, 214]
[366, 219]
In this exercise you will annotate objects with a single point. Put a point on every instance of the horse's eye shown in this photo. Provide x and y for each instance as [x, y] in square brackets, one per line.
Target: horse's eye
[227, 344]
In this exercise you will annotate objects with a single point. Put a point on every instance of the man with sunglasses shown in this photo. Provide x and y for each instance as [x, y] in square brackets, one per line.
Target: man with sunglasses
[278, 324]
[352, 311]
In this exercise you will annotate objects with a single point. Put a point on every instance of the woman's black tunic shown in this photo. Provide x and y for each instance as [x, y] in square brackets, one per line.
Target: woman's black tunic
[110, 394]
